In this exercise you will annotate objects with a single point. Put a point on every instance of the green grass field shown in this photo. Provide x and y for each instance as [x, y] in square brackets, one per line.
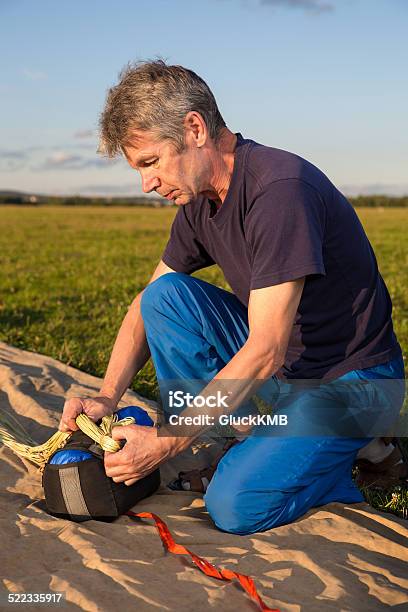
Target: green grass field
[68, 275]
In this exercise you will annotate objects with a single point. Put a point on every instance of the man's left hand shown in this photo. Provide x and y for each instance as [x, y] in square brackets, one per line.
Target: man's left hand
[143, 452]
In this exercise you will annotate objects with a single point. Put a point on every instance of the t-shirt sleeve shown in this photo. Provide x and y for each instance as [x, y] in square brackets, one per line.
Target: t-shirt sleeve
[284, 229]
[184, 252]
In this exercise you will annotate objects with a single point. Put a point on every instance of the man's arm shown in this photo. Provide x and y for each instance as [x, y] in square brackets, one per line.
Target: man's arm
[130, 351]
[129, 354]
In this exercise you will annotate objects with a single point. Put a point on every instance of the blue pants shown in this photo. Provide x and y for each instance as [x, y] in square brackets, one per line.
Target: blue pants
[193, 330]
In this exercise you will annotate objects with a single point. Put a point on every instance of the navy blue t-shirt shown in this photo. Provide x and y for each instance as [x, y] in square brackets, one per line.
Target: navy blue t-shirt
[283, 219]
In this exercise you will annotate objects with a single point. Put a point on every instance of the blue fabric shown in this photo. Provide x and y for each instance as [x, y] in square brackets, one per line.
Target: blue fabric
[72, 456]
[139, 414]
[193, 329]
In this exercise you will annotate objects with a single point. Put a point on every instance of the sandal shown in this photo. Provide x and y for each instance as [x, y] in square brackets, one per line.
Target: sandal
[391, 471]
[198, 480]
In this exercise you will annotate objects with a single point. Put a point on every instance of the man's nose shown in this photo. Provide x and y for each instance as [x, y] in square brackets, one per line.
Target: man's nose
[149, 183]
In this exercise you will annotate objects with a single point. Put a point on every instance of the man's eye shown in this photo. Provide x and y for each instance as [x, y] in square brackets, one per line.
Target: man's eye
[151, 162]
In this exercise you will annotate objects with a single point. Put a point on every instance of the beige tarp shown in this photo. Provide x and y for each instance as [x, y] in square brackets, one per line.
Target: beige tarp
[335, 558]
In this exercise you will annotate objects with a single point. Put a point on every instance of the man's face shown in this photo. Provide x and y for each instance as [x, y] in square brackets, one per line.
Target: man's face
[179, 177]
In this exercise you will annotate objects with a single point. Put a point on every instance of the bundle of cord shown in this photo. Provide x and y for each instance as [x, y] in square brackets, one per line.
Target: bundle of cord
[75, 484]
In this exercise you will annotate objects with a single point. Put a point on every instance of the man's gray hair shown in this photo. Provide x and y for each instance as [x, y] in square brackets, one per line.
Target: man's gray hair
[157, 97]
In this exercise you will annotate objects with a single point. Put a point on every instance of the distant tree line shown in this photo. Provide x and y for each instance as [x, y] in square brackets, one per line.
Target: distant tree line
[379, 201]
[77, 200]
[372, 201]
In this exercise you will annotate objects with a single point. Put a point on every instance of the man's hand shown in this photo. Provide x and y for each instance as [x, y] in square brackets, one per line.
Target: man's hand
[95, 408]
[143, 452]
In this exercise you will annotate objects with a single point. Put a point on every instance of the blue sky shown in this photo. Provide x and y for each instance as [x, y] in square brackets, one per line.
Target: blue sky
[326, 79]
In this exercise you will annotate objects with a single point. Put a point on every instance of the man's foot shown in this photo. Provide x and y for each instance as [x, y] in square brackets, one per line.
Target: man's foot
[198, 480]
[391, 471]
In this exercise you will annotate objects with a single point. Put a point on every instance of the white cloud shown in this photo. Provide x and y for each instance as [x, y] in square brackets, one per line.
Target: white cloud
[400, 189]
[34, 75]
[84, 134]
[61, 160]
[12, 160]
[313, 6]
[126, 189]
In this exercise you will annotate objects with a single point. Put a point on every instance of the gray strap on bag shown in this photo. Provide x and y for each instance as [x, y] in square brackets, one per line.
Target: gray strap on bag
[72, 492]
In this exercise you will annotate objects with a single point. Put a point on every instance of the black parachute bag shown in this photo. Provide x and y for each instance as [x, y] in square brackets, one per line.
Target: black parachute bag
[76, 486]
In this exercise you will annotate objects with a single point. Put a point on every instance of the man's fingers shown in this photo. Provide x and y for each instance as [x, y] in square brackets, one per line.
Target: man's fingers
[72, 408]
[114, 463]
[128, 483]
[119, 476]
[120, 432]
[68, 423]
[124, 478]
[67, 426]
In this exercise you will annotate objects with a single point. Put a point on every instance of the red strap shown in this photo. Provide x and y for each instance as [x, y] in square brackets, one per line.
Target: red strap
[205, 566]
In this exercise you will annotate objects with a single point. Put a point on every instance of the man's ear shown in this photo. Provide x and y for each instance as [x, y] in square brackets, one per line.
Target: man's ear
[196, 128]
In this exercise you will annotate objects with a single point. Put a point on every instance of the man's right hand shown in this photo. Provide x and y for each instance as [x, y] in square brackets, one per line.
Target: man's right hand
[95, 408]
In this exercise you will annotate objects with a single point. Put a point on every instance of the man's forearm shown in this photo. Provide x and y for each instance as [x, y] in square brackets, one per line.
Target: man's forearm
[130, 353]
[239, 380]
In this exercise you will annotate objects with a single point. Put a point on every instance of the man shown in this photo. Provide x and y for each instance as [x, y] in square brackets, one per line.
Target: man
[308, 305]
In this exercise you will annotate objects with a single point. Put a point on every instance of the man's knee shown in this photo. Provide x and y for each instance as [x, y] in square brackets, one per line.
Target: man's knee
[160, 291]
[241, 511]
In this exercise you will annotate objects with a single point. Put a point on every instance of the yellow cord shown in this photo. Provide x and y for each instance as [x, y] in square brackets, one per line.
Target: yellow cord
[15, 437]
